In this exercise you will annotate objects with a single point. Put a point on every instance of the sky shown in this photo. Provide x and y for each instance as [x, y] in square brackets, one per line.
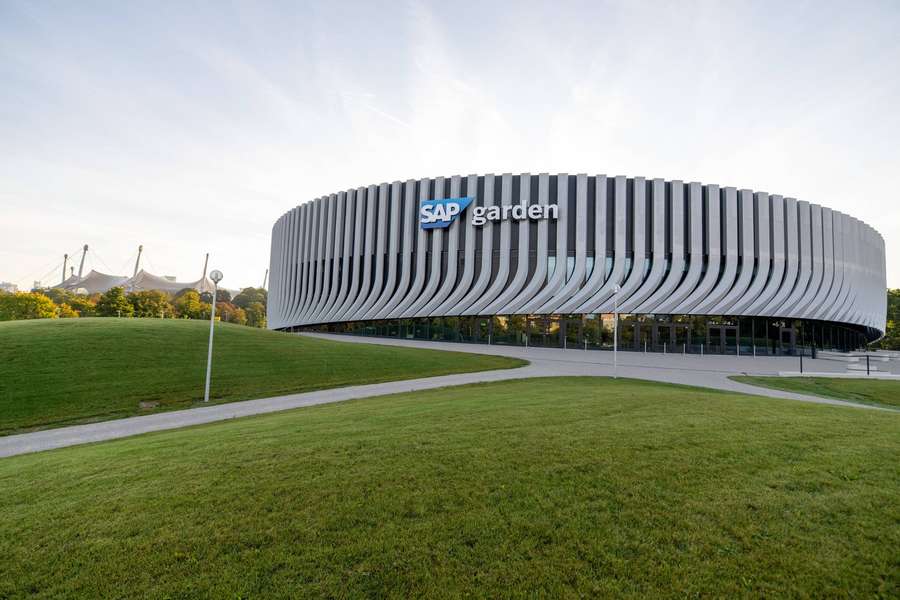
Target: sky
[190, 127]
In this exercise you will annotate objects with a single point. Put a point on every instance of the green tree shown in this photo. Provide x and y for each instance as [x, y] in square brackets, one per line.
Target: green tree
[151, 303]
[256, 314]
[221, 296]
[248, 296]
[26, 305]
[114, 303]
[189, 306]
[891, 339]
[60, 295]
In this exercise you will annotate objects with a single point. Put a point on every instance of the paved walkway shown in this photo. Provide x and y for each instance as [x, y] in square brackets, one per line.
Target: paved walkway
[705, 371]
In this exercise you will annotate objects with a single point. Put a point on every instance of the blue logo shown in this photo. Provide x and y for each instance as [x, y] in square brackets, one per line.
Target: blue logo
[439, 214]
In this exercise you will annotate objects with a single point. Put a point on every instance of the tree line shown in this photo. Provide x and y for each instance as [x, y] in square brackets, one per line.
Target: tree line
[891, 339]
[248, 307]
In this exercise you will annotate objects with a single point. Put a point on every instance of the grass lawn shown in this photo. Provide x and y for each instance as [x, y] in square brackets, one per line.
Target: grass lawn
[546, 488]
[868, 391]
[61, 372]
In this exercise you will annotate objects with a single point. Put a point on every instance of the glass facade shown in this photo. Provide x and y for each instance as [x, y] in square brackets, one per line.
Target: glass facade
[687, 334]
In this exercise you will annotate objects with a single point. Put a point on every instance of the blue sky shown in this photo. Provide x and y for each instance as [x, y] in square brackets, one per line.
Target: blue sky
[190, 127]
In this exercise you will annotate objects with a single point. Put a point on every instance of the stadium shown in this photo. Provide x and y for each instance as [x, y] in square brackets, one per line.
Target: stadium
[548, 260]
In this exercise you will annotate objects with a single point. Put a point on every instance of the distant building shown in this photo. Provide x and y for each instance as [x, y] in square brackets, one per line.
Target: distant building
[8, 287]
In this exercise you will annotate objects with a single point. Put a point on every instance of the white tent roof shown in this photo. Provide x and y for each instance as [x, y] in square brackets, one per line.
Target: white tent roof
[96, 282]
[93, 282]
[144, 281]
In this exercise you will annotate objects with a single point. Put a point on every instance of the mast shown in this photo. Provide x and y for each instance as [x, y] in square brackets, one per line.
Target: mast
[137, 263]
[81, 266]
[205, 264]
[65, 262]
[265, 279]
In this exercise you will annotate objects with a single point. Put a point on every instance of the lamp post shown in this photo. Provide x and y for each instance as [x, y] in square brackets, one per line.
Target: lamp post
[616, 289]
[216, 277]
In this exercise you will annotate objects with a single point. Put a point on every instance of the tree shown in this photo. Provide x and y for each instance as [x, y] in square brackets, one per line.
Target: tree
[182, 292]
[114, 304]
[67, 312]
[151, 303]
[83, 305]
[230, 313]
[248, 296]
[256, 315]
[189, 306]
[891, 339]
[60, 295]
[221, 296]
[26, 305]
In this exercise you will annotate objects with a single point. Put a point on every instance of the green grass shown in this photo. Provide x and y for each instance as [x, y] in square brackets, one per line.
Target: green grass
[539, 488]
[61, 372]
[868, 391]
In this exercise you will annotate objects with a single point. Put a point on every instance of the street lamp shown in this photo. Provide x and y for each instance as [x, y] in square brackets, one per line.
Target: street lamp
[216, 277]
[616, 289]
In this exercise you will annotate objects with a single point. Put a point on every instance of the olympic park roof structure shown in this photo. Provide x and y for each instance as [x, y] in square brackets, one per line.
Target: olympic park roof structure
[96, 282]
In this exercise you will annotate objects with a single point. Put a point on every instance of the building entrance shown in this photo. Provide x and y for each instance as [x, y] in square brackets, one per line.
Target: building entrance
[670, 337]
[573, 333]
[787, 340]
[722, 339]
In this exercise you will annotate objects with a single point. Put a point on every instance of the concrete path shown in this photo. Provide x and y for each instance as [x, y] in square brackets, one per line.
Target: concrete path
[706, 371]
[711, 371]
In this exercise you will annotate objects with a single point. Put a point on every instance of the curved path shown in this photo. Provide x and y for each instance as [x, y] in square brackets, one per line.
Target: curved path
[704, 371]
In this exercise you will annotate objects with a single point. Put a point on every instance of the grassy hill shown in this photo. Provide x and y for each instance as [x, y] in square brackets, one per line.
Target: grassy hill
[61, 372]
[546, 488]
[883, 392]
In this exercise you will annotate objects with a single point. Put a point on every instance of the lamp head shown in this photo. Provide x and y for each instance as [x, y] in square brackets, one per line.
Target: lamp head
[216, 276]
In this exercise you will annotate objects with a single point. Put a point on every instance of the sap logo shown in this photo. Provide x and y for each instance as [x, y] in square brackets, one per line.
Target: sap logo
[435, 214]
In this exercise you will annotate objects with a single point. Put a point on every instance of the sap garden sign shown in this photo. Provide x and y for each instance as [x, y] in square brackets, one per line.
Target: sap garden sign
[439, 214]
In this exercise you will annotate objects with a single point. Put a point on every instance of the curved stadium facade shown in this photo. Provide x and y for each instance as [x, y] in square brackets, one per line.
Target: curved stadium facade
[545, 260]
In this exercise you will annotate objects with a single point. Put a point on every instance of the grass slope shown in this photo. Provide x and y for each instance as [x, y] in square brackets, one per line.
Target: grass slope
[62, 372]
[548, 487]
[868, 391]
